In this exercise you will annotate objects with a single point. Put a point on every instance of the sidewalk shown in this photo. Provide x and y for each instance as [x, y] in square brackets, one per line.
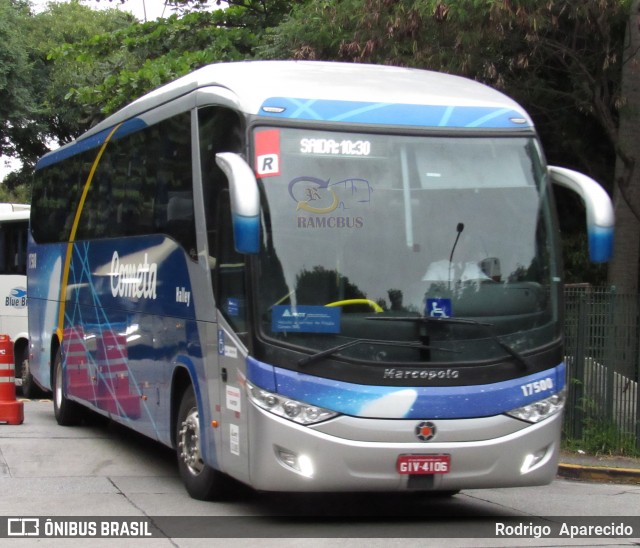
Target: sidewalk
[602, 468]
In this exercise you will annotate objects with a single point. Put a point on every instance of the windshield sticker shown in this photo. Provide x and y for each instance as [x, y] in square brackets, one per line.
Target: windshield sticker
[233, 305]
[439, 308]
[319, 198]
[305, 319]
[268, 153]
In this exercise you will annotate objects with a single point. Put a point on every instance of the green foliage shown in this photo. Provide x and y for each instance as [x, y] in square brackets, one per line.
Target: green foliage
[62, 25]
[16, 100]
[32, 106]
[600, 437]
[599, 434]
[15, 190]
[577, 267]
[561, 59]
[63, 70]
[141, 57]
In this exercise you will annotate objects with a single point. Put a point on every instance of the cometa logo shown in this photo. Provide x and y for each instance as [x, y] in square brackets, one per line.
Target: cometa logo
[133, 280]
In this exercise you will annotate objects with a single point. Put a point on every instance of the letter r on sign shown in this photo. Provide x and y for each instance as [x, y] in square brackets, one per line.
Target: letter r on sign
[268, 164]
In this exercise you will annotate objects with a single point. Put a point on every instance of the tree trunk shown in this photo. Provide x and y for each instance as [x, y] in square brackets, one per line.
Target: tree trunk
[624, 268]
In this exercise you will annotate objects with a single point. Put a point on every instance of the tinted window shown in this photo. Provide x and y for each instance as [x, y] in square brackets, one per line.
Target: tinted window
[142, 185]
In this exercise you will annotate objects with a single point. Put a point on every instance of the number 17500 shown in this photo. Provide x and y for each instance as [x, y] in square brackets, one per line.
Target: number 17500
[537, 386]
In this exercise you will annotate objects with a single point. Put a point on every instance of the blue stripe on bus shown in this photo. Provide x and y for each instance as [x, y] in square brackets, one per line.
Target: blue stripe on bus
[394, 114]
[83, 145]
[399, 402]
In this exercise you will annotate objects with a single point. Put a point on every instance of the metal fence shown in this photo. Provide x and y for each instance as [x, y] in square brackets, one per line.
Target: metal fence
[602, 335]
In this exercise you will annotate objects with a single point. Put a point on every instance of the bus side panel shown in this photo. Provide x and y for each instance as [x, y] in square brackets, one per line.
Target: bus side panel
[234, 406]
[130, 322]
[44, 272]
[121, 327]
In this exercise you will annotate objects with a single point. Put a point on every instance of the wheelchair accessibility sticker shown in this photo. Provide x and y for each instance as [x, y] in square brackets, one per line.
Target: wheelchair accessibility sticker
[438, 308]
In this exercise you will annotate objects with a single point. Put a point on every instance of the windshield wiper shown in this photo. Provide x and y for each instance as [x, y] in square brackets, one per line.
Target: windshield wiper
[461, 321]
[355, 342]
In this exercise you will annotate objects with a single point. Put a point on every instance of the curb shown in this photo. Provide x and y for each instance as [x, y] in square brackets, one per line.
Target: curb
[599, 473]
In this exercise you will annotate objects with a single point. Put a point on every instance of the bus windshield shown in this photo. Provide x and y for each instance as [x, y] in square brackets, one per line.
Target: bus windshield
[369, 239]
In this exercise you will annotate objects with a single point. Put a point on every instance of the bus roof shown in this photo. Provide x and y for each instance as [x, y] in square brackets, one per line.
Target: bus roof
[330, 92]
[256, 83]
[14, 212]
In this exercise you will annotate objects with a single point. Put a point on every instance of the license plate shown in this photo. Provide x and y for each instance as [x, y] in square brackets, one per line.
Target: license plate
[423, 464]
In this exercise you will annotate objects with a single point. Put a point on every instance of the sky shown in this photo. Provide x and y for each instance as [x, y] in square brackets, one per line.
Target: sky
[142, 9]
[153, 9]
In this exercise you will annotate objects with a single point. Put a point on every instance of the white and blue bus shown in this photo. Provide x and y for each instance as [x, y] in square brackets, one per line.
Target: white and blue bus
[14, 227]
[311, 277]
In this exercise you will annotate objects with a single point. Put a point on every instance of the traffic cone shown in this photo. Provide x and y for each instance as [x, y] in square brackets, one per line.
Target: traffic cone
[11, 410]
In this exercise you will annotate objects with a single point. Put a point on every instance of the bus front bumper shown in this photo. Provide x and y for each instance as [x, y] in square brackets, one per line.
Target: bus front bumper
[289, 457]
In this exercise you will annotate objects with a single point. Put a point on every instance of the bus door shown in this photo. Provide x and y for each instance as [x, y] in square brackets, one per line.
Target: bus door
[229, 286]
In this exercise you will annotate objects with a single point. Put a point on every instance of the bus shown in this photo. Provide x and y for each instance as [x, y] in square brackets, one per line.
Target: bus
[311, 276]
[14, 226]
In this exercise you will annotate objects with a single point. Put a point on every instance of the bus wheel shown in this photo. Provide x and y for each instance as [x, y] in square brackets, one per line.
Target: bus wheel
[202, 481]
[29, 387]
[67, 412]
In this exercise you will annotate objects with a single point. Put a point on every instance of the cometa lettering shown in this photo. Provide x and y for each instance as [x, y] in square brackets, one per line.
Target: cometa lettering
[392, 373]
[133, 280]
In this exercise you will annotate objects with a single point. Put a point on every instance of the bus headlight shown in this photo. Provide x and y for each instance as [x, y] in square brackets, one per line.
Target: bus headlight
[297, 411]
[541, 409]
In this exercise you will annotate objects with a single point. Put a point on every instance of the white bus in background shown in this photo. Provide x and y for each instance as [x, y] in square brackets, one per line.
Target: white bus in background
[14, 225]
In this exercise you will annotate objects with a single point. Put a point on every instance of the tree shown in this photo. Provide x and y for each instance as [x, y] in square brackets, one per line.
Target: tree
[561, 59]
[623, 270]
[16, 100]
[141, 57]
[78, 64]
[64, 24]
[33, 107]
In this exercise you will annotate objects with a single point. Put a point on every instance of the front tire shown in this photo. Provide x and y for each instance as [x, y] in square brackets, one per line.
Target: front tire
[201, 481]
[67, 412]
[29, 388]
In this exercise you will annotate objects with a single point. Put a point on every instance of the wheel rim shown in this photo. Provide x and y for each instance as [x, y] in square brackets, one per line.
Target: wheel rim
[25, 371]
[58, 391]
[189, 443]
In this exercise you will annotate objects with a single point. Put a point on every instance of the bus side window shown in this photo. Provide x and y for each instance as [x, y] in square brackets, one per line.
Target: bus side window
[4, 263]
[13, 248]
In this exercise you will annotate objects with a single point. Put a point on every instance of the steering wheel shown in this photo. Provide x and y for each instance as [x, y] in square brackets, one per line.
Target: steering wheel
[375, 306]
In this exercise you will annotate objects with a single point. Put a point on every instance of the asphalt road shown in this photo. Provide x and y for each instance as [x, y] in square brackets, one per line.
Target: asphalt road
[102, 471]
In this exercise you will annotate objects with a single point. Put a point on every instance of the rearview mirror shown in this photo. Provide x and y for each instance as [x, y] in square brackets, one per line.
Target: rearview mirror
[245, 201]
[600, 216]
